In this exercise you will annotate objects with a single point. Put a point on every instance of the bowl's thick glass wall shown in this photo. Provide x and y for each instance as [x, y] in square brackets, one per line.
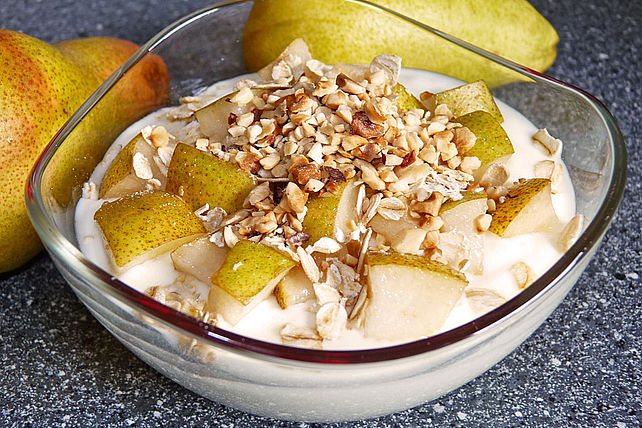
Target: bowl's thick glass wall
[273, 380]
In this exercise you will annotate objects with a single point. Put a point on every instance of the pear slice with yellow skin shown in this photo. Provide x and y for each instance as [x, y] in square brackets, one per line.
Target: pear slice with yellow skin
[461, 214]
[409, 296]
[460, 243]
[468, 98]
[248, 275]
[295, 287]
[201, 178]
[492, 144]
[213, 119]
[144, 225]
[121, 178]
[406, 100]
[527, 208]
[403, 235]
[298, 50]
[330, 215]
[199, 258]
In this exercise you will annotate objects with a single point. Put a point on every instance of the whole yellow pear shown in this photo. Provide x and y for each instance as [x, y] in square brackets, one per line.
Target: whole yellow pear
[340, 31]
[41, 85]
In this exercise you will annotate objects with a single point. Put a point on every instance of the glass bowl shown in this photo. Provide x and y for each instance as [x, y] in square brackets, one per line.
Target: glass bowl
[303, 384]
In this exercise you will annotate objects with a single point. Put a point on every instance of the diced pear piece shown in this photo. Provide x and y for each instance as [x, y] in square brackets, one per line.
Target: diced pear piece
[403, 235]
[248, 275]
[330, 214]
[527, 208]
[296, 54]
[460, 243]
[406, 100]
[200, 178]
[121, 178]
[461, 214]
[462, 251]
[409, 296]
[199, 258]
[144, 225]
[468, 98]
[492, 144]
[295, 287]
[213, 119]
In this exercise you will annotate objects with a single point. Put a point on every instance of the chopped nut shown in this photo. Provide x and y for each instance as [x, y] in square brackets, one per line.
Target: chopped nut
[243, 96]
[430, 206]
[295, 198]
[270, 161]
[335, 174]
[336, 99]
[351, 142]
[464, 139]
[303, 173]
[348, 85]
[248, 162]
[159, 136]
[549, 143]
[482, 222]
[495, 175]
[523, 274]
[570, 233]
[362, 125]
[367, 152]
[325, 245]
[370, 175]
[259, 193]
[470, 164]
[313, 186]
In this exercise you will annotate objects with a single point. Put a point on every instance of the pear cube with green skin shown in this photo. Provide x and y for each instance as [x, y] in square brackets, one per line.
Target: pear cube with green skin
[145, 225]
[296, 49]
[527, 208]
[248, 275]
[201, 178]
[461, 214]
[492, 144]
[469, 98]
[409, 296]
[295, 287]
[403, 235]
[199, 258]
[460, 243]
[406, 100]
[330, 215]
[121, 179]
[213, 119]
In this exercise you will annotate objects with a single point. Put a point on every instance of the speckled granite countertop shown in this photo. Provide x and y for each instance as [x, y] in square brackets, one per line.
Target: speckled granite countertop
[581, 367]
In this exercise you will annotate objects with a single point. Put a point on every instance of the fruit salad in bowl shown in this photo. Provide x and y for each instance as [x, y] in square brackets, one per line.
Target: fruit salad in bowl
[331, 206]
[333, 240]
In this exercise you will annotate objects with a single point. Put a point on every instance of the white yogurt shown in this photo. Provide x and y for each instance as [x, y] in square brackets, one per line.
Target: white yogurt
[264, 322]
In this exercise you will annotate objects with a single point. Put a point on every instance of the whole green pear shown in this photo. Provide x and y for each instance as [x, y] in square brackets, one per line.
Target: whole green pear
[340, 31]
[41, 85]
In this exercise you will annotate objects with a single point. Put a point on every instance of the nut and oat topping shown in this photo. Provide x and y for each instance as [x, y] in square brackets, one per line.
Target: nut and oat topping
[311, 130]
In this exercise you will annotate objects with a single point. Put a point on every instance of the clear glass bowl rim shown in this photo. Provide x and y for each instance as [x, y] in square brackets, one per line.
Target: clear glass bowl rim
[104, 282]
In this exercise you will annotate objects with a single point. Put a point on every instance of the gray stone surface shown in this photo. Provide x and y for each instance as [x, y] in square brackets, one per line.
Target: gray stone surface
[582, 367]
